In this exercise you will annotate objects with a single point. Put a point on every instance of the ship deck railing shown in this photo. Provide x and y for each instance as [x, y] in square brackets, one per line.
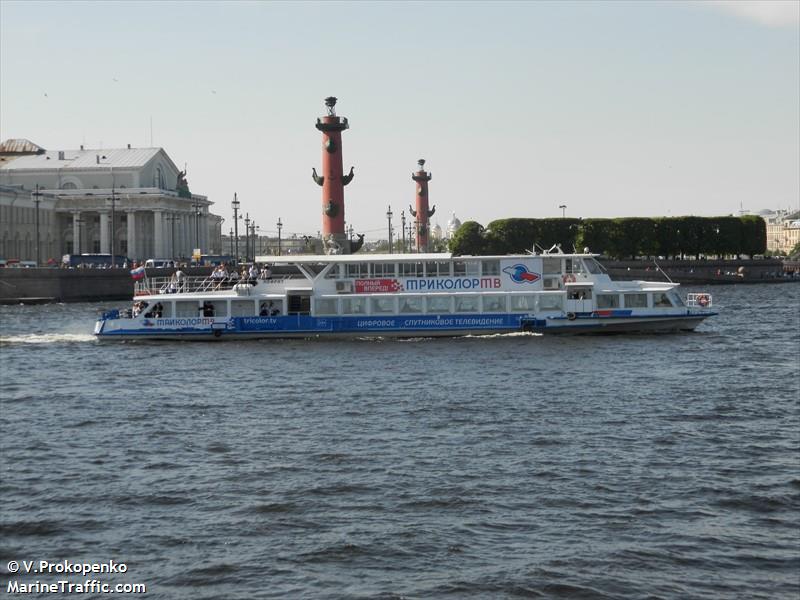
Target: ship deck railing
[190, 285]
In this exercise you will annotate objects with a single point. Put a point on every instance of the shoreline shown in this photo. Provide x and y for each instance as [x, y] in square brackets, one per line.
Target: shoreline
[51, 285]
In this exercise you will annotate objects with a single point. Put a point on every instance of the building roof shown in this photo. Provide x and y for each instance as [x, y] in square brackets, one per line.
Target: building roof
[83, 159]
[20, 146]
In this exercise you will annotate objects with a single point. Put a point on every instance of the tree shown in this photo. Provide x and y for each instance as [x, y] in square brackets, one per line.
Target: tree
[469, 239]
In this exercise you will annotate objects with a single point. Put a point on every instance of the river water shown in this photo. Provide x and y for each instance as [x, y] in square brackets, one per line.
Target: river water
[632, 466]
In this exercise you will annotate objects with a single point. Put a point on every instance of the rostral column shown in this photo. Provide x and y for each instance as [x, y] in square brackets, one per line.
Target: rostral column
[332, 181]
[422, 213]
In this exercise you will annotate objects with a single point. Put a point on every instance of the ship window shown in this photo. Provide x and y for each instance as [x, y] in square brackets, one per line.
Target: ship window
[582, 294]
[494, 304]
[243, 308]
[551, 265]
[411, 269]
[411, 304]
[382, 305]
[354, 306]
[491, 267]
[459, 268]
[467, 304]
[358, 270]
[592, 266]
[607, 300]
[333, 272]
[438, 304]
[676, 299]
[437, 269]
[325, 306]
[383, 270]
[551, 302]
[220, 308]
[523, 303]
[661, 300]
[636, 300]
[187, 309]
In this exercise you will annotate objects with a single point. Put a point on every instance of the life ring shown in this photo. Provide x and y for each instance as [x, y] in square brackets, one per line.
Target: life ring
[571, 316]
[569, 278]
[702, 300]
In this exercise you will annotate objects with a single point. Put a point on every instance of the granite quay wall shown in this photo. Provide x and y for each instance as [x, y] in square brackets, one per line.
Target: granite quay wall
[74, 285]
[703, 271]
[97, 285]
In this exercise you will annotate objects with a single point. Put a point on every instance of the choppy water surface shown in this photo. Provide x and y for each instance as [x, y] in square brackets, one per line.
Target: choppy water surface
[661, 466]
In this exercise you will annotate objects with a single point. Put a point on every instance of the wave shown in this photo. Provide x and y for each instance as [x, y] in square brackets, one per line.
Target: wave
[47, 338]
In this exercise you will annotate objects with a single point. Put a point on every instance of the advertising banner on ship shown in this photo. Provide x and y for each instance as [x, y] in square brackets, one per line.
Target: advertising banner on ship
[377, 286]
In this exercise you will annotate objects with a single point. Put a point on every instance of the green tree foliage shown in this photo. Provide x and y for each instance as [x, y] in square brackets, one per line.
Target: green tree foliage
[618, 238]
[469, 239]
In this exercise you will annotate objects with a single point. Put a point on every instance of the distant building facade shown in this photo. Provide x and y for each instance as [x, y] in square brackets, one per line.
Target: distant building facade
[135, 198]
[783, 230]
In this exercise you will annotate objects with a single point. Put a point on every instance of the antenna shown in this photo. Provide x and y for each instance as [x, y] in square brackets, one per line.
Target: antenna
[662, 270]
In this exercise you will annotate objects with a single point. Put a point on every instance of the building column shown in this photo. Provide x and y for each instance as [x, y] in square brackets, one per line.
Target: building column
[204, 233]
[104, 237]
[131, 218]
[76, 233]
[158, 234]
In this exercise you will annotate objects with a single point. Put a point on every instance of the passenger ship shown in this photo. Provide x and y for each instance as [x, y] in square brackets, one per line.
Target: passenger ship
[408, 295]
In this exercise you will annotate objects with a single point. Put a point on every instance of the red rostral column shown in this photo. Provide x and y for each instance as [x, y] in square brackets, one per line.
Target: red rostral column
[422, 213]
[333, 180]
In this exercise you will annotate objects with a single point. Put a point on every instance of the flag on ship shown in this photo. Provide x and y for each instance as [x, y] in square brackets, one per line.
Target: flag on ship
[138, 273]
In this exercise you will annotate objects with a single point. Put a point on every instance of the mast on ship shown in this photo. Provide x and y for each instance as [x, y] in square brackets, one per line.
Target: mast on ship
[422, 214]
[332, 182]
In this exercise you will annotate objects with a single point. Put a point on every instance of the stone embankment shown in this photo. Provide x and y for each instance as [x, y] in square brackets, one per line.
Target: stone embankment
[705, 271]
[97, 285]
[32, 286]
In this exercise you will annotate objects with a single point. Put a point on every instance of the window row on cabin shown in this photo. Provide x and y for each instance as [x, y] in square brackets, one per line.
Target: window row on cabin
[438, 304]
[436, 268]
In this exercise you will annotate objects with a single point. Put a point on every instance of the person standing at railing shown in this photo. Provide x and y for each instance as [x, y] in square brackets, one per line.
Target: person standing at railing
[219, 275]
[177, 282]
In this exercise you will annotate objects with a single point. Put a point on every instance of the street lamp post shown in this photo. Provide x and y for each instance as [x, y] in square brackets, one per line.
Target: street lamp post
[230, 239]
[403, 229]
[280, 226]
[563, 208]
[247, 237]
[236, 204]
[389, 219]
[197, 214]
[36, 199]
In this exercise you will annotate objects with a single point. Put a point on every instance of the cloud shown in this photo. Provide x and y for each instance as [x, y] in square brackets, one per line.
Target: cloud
[773, 13]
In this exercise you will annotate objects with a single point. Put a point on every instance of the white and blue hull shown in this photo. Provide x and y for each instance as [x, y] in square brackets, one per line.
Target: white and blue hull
[406, 296]
[296, 326]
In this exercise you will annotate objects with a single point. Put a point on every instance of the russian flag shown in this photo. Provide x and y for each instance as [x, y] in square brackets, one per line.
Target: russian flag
[138, 273]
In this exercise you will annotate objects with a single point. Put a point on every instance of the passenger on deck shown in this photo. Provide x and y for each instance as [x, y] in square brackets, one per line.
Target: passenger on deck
[266, 273]
[156, 311]
[253, 274]
[138, 307]
[219, 275]
[208, 309]
[264, 310]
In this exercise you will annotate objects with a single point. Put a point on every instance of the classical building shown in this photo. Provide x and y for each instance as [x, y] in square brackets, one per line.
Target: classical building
[783, 230]
[86, 200]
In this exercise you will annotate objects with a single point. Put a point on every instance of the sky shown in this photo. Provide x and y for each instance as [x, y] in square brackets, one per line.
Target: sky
[612, 109]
